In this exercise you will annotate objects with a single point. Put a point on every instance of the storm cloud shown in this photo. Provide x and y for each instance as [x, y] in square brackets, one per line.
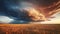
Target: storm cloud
[13, 9]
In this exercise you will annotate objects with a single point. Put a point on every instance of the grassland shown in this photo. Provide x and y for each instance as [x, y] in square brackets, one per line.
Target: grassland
[29, 29]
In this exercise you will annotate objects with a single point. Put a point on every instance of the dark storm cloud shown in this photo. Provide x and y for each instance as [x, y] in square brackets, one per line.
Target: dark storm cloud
[10, 8]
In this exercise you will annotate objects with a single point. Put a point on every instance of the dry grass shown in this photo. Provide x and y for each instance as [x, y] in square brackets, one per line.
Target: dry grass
[29, 29]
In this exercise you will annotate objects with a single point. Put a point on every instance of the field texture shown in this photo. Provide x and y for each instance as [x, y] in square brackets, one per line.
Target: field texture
[29, 29]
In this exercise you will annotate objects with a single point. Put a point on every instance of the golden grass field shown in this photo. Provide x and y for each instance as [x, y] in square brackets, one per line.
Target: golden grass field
[29, 29]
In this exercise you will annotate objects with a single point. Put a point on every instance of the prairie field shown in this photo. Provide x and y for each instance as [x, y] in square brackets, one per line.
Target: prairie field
[29, 29]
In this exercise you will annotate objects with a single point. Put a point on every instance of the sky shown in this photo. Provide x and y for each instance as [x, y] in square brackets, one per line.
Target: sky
[55, 20]
[12, 10]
